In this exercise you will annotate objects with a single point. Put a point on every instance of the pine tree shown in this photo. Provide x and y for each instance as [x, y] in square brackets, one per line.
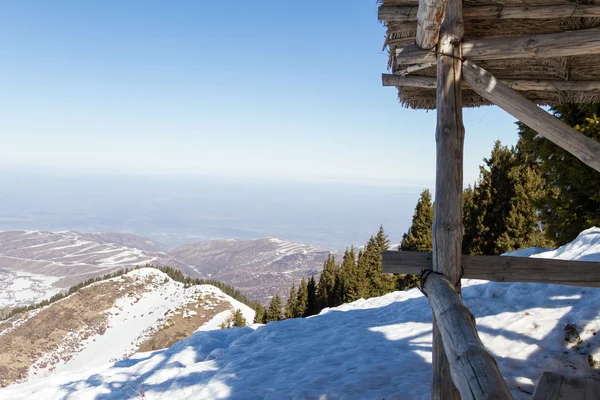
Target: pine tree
[361, 275]
[291, 305]
[259, 316]
[571, 202]
[381, 239]
[500, 212]
[238, 319]
[376, 283]
[326, 285]
[301, 299]
[337, 297]
[312, 306]
[419, 236]
[349, 277]
[274, 309]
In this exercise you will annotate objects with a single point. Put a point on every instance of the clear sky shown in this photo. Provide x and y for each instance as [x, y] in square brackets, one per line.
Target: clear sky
[245, 89]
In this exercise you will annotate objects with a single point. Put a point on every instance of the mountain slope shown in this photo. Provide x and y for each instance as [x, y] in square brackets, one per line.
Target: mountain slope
[108, 321]
[370, 349]
[35, 265]
[259, 268]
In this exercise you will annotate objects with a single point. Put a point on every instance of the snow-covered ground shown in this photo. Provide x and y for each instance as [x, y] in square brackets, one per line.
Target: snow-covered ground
[370, 349]
[136, 315]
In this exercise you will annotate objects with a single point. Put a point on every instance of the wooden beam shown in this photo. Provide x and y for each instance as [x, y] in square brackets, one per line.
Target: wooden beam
[449, 138]
[430, 15]
[415, 67]
[576, 143]
[474, 370]
[562, 44]
[429, 82]
[502, 268]
[408, 13]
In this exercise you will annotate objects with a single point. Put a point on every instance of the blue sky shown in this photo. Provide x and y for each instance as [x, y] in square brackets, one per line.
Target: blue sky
[265, 89]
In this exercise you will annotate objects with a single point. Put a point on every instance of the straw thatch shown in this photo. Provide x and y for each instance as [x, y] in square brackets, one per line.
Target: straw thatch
[574, 68]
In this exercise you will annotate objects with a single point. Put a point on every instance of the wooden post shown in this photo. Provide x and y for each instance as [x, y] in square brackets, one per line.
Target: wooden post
[473, 368]
[449, 136]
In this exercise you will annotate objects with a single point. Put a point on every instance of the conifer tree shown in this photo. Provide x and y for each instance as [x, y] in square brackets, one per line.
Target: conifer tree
[419, 236]
[571, 202]
[291, 305]
[301, 299]
[500, 212]
[376, 282]
[381, 239]
[326, 286]
[312, 306]
[238, 319]
[259, 316]
[349, 277]
[361, 275]
[274, 309]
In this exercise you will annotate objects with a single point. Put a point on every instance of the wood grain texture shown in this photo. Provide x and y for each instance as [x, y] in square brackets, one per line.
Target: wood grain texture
[429, 17]
[502, 268]
[488, 87]
[552, 386]
[408, 13]
[562, 44]
[449, 137]
[429, 82]
[473, 369]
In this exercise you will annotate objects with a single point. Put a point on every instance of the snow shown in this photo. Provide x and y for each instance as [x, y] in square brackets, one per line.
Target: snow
[370, 349]
[19, 288]
[130, 322]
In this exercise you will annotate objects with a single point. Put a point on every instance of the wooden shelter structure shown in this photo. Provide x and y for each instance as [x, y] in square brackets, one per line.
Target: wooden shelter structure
[446, 54]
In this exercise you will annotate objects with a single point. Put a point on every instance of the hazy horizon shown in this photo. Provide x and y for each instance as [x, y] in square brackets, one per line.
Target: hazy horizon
[175, 211]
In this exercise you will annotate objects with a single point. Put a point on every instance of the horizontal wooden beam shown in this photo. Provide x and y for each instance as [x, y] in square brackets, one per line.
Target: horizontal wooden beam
[487, 86]
[473, 369]
[429, 82]
[502, 268]
[408, 13]
[562, 44]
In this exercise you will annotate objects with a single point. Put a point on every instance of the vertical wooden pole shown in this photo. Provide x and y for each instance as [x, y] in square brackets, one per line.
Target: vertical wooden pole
[449, 136]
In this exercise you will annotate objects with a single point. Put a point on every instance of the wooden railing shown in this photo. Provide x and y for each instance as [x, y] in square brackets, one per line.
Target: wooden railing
[502, 268]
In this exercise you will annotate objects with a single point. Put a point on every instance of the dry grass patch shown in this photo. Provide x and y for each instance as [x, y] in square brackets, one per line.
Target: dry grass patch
[83, 313]
[185, 321]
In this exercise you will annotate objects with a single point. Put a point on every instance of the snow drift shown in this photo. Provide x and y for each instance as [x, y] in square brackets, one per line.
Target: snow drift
[370, 349]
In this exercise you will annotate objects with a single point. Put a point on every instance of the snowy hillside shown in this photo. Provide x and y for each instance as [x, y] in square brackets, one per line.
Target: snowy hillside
[259, 267]
[370, 349]
[108, 321]
[34, 265]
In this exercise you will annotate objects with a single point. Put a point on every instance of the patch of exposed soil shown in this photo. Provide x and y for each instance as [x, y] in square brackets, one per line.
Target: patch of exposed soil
[83, 312]
[184, 321]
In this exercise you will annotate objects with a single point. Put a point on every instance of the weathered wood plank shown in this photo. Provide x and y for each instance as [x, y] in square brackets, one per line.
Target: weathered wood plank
[429, 82]
[430, 15]
[449, 138]
[548, 387]
[553, 386]
[408, 13]
[572, 388]
[473, 369]
[487, 86]
[592, 390]
[502, 268]
[562, 44]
